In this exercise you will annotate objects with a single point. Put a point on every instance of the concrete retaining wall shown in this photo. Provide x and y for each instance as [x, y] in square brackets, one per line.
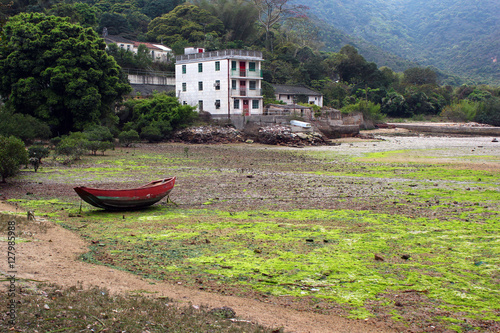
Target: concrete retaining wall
[450, 129]
[241, 121]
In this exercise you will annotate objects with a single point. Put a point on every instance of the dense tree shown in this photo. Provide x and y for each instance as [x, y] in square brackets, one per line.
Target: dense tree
[302, 31]
[3, 17]
[394, 105]
[238, 16]
[115, 23]
[489, 112]
[272, 12]
[419, 76]
[58, 72]
[184, 23]
[12, 154]
[352, 67]
[23, 126]
[77, 12]
[155, 8]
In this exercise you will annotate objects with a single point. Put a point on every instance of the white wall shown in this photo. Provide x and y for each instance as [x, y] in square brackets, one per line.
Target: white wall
[288, 99]
[210, 94]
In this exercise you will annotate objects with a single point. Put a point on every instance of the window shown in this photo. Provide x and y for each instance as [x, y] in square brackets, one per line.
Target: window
[251, 66]
[255, 104]
[200, 67]
[183, 69]
[217, 65]
[233, 65]
[233, 84]
[200, 105]
[252, 85]
[184, 86]
[200, 86]
[236, 104]
[217, 103]
[217, 84]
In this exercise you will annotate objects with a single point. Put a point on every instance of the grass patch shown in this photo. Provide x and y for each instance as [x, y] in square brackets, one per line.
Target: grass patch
[50, 308]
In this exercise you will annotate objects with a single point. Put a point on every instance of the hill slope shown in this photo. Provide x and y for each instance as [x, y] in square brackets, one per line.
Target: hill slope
[460, 37]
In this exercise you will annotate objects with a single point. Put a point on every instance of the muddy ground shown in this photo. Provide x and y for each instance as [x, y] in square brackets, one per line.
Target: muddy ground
[253, 176]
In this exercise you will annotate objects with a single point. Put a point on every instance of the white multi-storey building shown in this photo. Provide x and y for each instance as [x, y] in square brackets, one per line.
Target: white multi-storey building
[224, 83]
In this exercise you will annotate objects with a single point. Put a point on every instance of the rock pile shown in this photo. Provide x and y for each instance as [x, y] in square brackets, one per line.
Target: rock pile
[272, 135]
[209, 134]
[283, 135]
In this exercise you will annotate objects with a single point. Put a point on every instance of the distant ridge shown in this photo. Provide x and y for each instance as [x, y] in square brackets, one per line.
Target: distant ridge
[458, 37]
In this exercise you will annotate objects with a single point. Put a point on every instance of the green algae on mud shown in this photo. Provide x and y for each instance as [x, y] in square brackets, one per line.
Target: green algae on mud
[322, 254]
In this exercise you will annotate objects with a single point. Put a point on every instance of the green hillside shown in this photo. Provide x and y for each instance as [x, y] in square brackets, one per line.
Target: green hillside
[459, 37]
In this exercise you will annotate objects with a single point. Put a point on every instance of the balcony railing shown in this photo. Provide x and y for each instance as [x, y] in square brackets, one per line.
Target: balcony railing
[246, 92]
[219, 54]
[246, 73]
[133, 71]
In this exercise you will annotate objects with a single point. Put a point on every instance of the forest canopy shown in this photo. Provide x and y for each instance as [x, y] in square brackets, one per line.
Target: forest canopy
[58, 72]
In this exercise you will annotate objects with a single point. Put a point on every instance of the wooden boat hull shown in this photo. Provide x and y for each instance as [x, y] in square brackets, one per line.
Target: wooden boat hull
[125, 199]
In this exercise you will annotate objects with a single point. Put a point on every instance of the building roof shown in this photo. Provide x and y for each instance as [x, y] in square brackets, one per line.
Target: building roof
[285, 89]
[221, 54]
[117, 39]
[164, 48]
[120, 40]
[148, 89]
[148, 45]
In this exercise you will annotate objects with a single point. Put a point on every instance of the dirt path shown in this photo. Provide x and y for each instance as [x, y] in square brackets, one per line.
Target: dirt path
[52, 257]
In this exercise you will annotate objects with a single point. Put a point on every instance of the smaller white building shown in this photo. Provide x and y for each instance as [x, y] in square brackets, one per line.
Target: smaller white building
[157, 51]
[223, 83]
[296, 94]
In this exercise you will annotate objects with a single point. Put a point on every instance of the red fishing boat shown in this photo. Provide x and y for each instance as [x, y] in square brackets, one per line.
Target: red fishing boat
[124, 199]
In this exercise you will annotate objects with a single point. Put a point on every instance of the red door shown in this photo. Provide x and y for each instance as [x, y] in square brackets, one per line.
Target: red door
[246, 107]
[243, 69]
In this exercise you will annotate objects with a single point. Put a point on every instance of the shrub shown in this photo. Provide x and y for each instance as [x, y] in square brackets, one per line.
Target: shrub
[462, 111]
[36, 153]
[99, 139]
[151, 133]
[161, 111]
[73, 146]
[98, 133]
[102, 146]
[128, 137]
[489, 112]
[370, 110]
[12, 154]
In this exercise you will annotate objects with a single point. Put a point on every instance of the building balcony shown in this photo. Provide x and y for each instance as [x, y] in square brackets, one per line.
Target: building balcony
[245, 73]
[222, 54]
[246, 93]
